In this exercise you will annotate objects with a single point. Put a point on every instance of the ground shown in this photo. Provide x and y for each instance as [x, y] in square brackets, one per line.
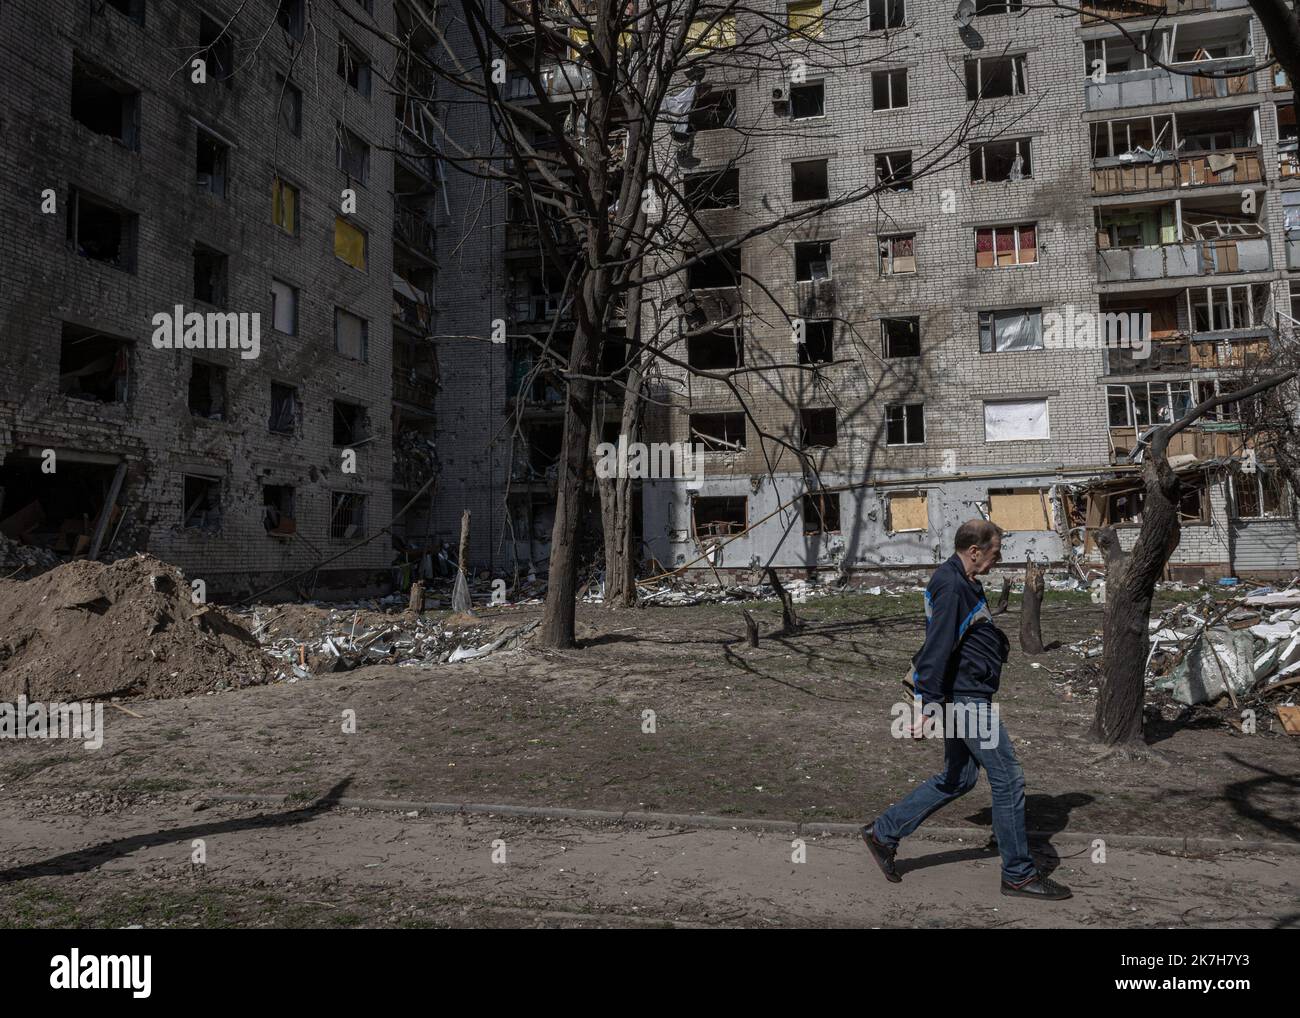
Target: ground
[797, 730]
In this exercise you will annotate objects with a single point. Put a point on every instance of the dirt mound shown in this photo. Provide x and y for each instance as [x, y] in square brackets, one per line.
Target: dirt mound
[87, 630]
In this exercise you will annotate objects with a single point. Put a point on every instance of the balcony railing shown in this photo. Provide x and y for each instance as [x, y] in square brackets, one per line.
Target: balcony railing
[415, 229]
[1202, 169]
[1223, 255]
[1155, 85]
[416, 151]
[543, 307]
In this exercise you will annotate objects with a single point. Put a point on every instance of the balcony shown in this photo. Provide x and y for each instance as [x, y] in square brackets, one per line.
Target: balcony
[414, 228]
[1293, 252]
[1202, 169]
[540, 309]
[415, 373]
[1219, 256]
[1093, 11]
[1288, 159]
[1153, 86]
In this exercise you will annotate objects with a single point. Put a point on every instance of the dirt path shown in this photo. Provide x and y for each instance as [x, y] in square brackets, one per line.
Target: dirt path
[92, 862]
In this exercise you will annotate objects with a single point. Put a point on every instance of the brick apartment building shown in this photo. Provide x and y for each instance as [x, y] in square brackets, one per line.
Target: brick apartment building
[940, 396]
[131, 188]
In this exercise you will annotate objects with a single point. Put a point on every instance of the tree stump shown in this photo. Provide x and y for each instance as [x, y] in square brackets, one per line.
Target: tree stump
[751, 627]
[789, 621]
[416, 604]
[1004, 599]
[1031, 633]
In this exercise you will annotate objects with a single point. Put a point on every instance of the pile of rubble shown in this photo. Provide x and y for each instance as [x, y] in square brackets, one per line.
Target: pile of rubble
[87, 630]
[25, 560]
[1243, 648]
[678, 592]
[318, 638]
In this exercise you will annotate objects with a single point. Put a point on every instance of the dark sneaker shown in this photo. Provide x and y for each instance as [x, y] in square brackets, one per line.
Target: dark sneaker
[883, 854]
[1037, 887]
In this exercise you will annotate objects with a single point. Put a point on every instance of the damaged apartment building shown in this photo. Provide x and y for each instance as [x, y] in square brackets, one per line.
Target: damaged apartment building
[928, 311]
[222, 161]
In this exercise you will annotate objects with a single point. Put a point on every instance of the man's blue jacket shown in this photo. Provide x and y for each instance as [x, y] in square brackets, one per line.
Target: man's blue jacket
[963, 651]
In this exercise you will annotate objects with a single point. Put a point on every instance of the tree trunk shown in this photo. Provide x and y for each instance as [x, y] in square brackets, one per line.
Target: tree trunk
[1004, 598]
[618, 493]
[751, 627]
[1130, 586]
[1031, 632]
[789, 621]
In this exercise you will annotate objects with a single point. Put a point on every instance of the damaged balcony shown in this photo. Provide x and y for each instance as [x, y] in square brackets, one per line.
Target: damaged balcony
[536, 382]
[1212, 60]
[712, 297]
[1134, 408]
[1095, 11]
[1180, 238]
[1173, 151]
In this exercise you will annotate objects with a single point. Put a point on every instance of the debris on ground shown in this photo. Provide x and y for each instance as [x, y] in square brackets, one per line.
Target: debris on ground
[1226, 652]
[86, 630]
[25, 560]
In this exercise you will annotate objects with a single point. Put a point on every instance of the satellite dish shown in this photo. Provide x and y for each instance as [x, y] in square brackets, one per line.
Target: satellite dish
[965, 13]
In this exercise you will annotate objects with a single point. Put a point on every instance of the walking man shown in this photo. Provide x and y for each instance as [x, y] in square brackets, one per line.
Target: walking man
[958, 670]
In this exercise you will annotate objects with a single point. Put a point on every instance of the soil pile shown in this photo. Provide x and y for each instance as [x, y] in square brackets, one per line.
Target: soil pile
[87, 630]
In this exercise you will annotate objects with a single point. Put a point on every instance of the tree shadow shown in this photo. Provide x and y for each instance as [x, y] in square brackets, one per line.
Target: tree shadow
[86, 859]
[1238, 795]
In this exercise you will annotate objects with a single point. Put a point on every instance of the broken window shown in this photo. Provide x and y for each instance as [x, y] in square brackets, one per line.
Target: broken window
[812, 261]
[723, 432]
[352, 155]
[808, 100]
[209, 275]
[93, 365]
[284, 205]
[284, 307]
[714, 110]
[104, 104]
[1259, 495]
[995, 77]
[354, 66]
[101, 231]
[1143, 403]
[905, 424]
[1011, 329]
[817, 428]
[889, 89]
[898, 254]
[816, 347]
[995, 161]
[289, 16]
[211, 164]
[351, 423]
[1020, 509]
[545, 441]
[894, 170]
[217, 50]
[809, 180]
[715, 271]
[1228, 307]
[351, 334]
[901, 337]
[1015, 420]
[998, 246]
[347, 515]
[716, 350]
[350, 243]
[719, 189]
[201, 498]
[284, 409]
[277, 509]
[207, 390]
[133, 9]
[288, 98]
[907, 513]
[719, 516]
[821, 512]
[883, 14]
[1125, 508]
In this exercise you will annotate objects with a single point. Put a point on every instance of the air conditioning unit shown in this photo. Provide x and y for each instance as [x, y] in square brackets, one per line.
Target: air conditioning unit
[781, 98]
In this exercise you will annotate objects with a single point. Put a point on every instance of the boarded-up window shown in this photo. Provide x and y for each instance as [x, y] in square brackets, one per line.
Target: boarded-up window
[707, 34]
[349, 243]
[284, 206]
[805, 18]
[1015, 421]
[1020, 509]
[1011, 329]
[907, 513]
[350, 334]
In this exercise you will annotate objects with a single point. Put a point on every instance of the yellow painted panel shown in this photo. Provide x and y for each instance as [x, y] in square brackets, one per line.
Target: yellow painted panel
[908, 512]
[349, 243]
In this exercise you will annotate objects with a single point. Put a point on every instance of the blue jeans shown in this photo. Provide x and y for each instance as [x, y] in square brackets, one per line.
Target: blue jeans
[962, 760]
